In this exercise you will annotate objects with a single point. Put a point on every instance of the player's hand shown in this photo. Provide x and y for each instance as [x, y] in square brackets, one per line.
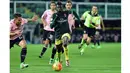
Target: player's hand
[73, 27]
[34, 18]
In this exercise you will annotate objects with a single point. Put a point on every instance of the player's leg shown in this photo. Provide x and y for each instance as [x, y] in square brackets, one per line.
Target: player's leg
[50, 37]
[90, 33]
[98, 39]
[94, 42]
[65, 40]
[45, 42]
[22, 44]
[83, 41]
[58, 44]
[52, 55]
[12, 42]
[85, 37]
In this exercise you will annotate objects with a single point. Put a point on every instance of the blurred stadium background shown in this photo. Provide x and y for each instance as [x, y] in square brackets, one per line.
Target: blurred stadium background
[109, 9]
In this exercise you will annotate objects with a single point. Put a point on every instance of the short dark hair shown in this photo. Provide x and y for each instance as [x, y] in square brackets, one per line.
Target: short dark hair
[16, 15]
[69, 1]
[52, 2]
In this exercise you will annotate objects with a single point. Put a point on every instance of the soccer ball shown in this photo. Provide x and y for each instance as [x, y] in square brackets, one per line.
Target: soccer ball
[57, 66]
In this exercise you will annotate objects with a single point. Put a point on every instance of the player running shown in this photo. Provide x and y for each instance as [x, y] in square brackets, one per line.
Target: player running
[62, 30]
[48, 32]
[16, 29]
[92, 20]
[96, 39]
[71, 21]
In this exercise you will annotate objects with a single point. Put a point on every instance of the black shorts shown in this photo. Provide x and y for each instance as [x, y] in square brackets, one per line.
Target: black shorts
[47, 35]
[89, 31]
[15, 41]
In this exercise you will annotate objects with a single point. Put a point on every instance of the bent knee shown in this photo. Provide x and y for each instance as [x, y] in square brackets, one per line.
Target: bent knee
[85, 36]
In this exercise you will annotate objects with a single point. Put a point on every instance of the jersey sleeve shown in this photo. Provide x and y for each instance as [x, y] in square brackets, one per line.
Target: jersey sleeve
[85, 15]
[44, 15]
[76, 15]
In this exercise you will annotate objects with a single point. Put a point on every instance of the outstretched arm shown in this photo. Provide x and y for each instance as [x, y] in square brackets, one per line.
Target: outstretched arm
[102, 24]
[33, 19]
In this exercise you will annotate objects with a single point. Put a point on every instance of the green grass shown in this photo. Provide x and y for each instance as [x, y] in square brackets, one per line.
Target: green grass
[104, 60]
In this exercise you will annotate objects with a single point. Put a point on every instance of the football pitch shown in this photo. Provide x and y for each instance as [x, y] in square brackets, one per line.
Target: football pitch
[104, 60]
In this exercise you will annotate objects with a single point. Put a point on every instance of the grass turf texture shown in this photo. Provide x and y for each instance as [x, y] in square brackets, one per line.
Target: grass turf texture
[104, 60]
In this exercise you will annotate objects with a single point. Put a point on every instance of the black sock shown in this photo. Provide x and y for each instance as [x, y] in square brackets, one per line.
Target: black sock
[43, 50]
[53, 52]
[23, 54]
[98, 42]
[94, 41]
[62, 50]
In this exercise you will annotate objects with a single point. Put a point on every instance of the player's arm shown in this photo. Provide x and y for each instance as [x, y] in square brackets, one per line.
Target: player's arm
[97, 23]
[102, 24]
[53, 19]
[83, 17]
[33, 19]
[87, 15]
[76, 15]
[11, 33]
[43, 18]
[14, 33]
[44, 21]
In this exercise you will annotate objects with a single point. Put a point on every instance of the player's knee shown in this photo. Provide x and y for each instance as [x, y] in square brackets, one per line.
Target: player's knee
[43, 42]
[65, 44]
[85, 36]
[24, 46]
[46, 45]
[47, 41]
[88, 41]
[65, 41]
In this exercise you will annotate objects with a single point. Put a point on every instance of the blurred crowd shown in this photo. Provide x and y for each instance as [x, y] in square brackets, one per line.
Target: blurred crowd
[118, 1]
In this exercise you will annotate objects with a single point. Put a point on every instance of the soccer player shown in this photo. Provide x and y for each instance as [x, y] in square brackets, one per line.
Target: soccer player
[96, 39]
[62, 30]
[92, 20]
[72, 16]
[16, 29]
[71, 20]
[48, 32]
